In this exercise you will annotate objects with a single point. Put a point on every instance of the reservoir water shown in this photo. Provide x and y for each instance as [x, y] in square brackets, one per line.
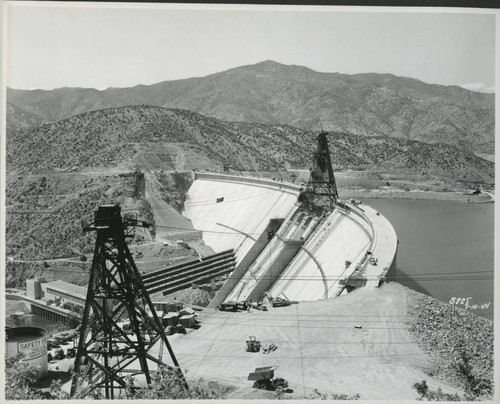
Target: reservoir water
[446, 250]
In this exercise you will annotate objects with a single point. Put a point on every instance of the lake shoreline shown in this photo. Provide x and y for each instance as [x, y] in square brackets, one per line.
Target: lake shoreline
[446, 248]
[348, 193]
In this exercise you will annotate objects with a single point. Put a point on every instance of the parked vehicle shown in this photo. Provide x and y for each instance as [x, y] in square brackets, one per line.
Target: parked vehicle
[279, 302]
[264, 379]
[59, 354]
[229, 306]
[252, 344]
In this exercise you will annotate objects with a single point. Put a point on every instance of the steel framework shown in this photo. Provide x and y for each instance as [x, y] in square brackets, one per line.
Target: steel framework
[120, 324]
[322, 186]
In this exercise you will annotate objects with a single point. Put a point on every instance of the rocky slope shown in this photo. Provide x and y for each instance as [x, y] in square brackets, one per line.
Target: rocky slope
[272, 93]
[448, 334]
[44, 218]
[155, 139]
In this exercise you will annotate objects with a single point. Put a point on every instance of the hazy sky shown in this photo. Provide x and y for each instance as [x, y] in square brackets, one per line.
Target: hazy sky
[90, 46]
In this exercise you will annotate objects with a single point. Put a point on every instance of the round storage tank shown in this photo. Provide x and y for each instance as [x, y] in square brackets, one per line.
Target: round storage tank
[32, 343]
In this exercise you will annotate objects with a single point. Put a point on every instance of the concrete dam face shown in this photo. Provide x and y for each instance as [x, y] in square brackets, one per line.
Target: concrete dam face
[283, 249]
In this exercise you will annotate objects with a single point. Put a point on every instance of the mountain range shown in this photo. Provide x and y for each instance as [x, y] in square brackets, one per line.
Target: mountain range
[272, 93]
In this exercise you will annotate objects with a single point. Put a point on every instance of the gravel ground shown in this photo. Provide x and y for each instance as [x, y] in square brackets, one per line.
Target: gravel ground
[444, 331]
[354, 344]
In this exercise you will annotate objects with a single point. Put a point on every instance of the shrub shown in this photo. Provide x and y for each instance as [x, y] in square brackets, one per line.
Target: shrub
[429, 395]
[169, 383]
[474, 386]
[317, 395]
[21, 383]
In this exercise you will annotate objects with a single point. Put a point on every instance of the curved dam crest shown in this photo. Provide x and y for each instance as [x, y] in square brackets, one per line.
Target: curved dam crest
[282, 249]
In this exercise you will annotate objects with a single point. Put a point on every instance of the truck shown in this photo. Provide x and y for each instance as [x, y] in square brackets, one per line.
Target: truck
[264, 379]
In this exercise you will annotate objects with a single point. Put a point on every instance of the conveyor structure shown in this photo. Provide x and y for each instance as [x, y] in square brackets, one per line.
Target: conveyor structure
[182, 276]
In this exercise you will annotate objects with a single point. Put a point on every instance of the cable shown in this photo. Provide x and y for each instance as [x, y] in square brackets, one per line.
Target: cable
[306, 356]
[204, 231]
[315, 316]
[442, 275]
[272, 322]
[155, 226]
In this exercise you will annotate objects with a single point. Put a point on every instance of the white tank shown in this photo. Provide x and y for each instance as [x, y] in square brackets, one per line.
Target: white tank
[32, 343]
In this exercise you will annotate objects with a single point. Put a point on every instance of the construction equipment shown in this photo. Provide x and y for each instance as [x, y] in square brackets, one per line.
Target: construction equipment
[321, 190]
[257, 306]
[252, 344]
[264, 379]
[116, 294]
[233, 306]
[280, 302]
[268, 349]
[229, 306]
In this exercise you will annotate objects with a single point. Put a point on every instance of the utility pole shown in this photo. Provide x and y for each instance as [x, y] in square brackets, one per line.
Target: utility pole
[116, 300]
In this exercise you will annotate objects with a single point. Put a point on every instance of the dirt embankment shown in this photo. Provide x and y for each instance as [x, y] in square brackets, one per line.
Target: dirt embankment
[448, 334]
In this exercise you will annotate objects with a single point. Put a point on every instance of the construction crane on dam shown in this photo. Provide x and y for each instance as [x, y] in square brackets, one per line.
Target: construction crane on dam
[321, 190]
[120, 325]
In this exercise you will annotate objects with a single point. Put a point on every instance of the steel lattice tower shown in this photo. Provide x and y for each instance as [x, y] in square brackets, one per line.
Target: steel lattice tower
[116, 294]
[322, 186]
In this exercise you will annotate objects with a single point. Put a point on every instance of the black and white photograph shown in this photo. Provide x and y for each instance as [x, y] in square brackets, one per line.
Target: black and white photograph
[248, 202]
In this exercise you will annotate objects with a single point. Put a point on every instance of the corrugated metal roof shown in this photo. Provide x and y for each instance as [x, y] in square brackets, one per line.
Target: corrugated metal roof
[69, 288]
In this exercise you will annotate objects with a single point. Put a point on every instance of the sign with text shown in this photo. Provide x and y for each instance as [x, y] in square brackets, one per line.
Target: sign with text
[33, 349]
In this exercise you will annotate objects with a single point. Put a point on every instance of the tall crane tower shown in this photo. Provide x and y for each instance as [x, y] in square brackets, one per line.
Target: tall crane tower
[321, 190]
[120, 325]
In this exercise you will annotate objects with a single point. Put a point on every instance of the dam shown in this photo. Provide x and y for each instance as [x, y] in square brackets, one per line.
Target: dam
[284, 245]
[300, 243]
